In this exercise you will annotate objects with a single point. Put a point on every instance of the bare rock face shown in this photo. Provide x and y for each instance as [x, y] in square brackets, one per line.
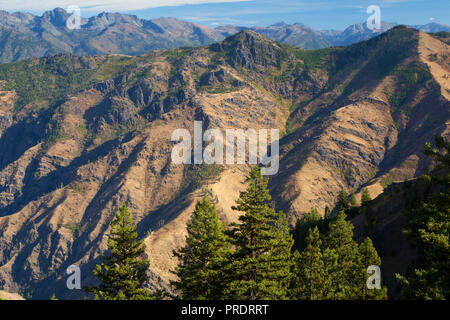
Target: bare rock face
[67, 166]
[251, 50]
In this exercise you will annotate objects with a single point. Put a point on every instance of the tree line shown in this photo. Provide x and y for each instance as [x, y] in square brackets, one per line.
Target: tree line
[259, 258]
[253, 259]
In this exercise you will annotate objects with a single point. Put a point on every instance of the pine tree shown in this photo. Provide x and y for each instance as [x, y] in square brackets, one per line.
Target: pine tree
[327, 213]
[311, 279]
[261, 262]
[428, 226]
[353, 202]
[330, 263]
[323, 226]
[301, 230]
[342, 202]
[365, 196]
[123, 274]
[367, 256]
[340, 239]
[201, 262]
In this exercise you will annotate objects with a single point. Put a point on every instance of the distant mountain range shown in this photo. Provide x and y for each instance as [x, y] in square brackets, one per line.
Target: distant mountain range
[304, 37]
[296, 34]
[24, 35]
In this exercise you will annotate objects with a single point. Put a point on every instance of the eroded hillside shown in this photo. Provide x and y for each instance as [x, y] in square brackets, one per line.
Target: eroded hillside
[80, 136]
[368, 128]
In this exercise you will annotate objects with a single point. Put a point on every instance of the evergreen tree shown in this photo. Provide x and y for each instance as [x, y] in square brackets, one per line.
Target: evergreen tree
[367, 256]
[261, 262]
[323, 226]
[365, 196]
[123, 274]
[353, 202]
[342, 202]
[301, 230]
[330, 263]
[428, 226]
[340, 239]
[200, 270]
[327, 213]
[311, 279]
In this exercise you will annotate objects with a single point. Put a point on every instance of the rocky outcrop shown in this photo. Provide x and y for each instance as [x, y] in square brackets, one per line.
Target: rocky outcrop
[250, 50]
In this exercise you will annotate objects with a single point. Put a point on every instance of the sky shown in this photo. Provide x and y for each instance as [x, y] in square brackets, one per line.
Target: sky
[318, 14]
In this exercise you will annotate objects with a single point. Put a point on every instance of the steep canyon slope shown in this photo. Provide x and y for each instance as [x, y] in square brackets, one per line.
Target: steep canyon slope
[81, 135]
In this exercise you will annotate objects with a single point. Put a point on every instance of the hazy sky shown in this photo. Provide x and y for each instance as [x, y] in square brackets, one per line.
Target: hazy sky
[319, 14]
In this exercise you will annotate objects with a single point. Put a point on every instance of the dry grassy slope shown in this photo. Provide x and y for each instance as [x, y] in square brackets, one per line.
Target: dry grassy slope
[57, 199]
[435, 54]
[352, 139]
[172, 236]
[362, 140]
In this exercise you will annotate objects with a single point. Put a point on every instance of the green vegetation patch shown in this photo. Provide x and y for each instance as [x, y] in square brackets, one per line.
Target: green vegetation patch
[195, 175]
[48, 79]
[313, 59]
[409, 78]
